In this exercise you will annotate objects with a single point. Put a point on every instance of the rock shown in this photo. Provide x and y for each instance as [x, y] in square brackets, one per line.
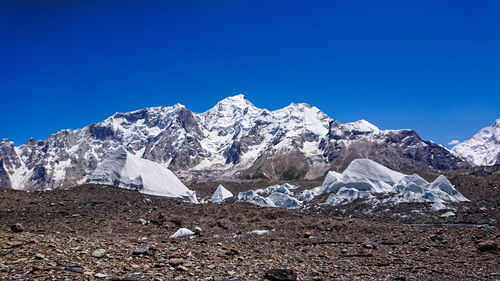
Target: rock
[176, 261]
[280, 275]
[437, 239]
[197, 230]
[159, 220]
[74, 268]
[487, 246]
[232, 252]
[101, 275]
[176, 255]
[99, 253]
[140, 251]
[143, 221]
[39, 256]
[17, 227]
[307, 234]
[370, 245]
[182, 268]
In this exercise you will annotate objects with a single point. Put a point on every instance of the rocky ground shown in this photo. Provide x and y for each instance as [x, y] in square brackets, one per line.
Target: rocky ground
[105, 233]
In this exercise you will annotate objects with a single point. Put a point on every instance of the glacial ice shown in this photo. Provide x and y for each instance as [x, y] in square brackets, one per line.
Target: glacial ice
[220, 194]
[364, 178]
[125, 170]
[182, 232]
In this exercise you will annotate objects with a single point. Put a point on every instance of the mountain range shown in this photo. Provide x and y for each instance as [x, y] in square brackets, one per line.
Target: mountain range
[232, 140]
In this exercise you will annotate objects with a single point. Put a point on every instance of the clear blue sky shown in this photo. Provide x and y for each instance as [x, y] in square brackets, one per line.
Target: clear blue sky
[433, 66]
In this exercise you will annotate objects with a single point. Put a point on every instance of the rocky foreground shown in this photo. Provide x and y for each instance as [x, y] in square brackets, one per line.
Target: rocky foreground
[104, 233]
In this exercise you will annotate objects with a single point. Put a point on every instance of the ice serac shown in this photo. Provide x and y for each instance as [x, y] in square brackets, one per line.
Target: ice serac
[273, 196]
[220, 194]
[125, 170]
[365, 179]
[233, 139]
[483, 149]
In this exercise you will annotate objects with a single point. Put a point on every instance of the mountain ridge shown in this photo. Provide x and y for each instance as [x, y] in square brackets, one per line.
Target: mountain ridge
[234, 138]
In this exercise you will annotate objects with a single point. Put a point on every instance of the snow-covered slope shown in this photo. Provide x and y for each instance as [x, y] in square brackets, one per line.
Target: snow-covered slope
[234, 139]
[483, 148]
[125, 170]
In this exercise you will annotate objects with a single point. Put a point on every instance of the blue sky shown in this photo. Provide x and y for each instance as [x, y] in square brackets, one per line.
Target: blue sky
[433, 66]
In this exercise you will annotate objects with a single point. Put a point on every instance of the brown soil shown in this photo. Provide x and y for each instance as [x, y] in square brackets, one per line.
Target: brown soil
[63, 228]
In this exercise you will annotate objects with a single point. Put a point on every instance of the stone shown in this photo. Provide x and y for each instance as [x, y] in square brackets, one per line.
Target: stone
[182, 268]
[99, 253]
[370, 245]
[17, 227]
[307, 234]
[74, 268]
[197, 230]
[487, 246]
[39, 256]
[176, 261]
[143, 221]
[140, 251]
[280, 275]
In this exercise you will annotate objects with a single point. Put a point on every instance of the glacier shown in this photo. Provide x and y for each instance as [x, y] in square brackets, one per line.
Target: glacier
[220, 194]
[125, 170]
[273, 196]
[364, 180]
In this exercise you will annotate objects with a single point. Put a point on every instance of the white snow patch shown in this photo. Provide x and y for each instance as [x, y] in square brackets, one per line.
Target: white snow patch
[182, 232]
[259, 232]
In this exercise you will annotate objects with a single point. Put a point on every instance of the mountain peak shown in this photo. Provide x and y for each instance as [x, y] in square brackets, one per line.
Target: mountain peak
[239, 101]
[496, 123]
[484, 147]
[231, 110]
[361, 126]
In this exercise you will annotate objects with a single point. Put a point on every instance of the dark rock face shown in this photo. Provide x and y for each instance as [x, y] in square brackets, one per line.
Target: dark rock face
[233, 153]
[100, 132]
[290, 166]
[4, 177]
[401, 150]
[234, 139]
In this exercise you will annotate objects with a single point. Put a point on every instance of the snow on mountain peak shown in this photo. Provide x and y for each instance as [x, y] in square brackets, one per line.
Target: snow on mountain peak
[484, 147]
[234, 138]
[230, 111]
[237, 101]
[361, 126]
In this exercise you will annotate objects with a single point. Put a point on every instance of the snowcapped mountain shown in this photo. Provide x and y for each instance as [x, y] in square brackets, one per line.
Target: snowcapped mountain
[232, 139]
[483, 149]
